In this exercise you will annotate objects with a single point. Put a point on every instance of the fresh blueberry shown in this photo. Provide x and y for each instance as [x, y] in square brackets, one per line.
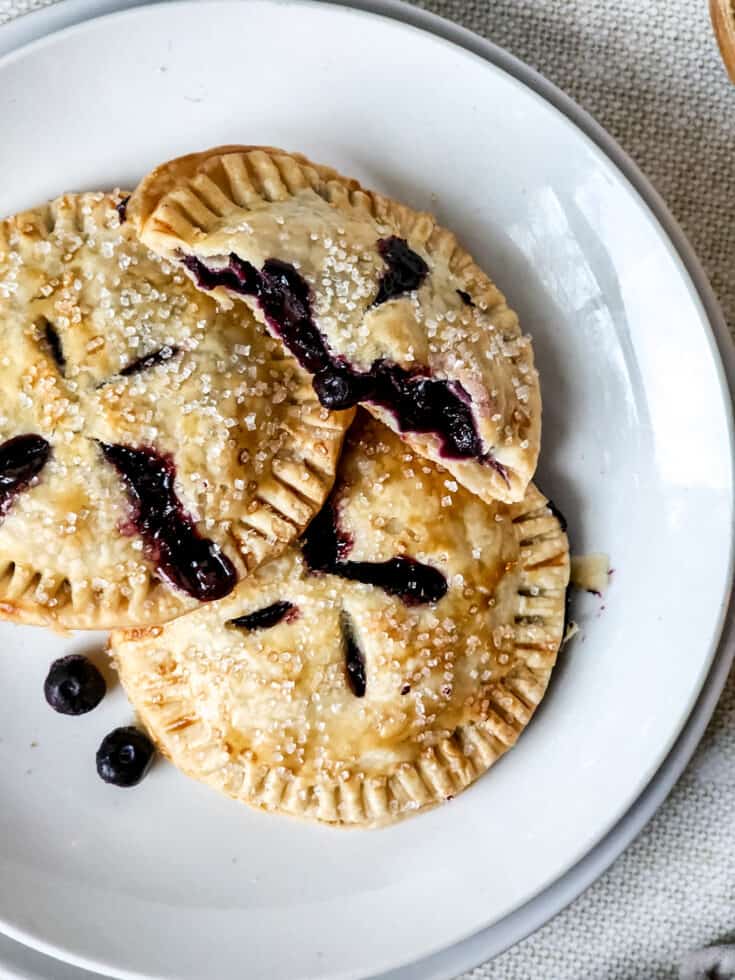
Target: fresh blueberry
[74, 685]
[124, 756]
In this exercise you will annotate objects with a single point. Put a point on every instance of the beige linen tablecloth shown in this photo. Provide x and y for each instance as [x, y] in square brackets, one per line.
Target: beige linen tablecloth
[649, 71]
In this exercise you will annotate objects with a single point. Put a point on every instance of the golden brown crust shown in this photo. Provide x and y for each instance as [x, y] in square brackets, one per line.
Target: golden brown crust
[270, 716]
[261, 202]
[254, 452]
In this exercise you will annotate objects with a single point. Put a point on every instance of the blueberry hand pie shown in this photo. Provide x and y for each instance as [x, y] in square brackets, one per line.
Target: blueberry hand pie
[153, 447]
[378, 666]
[377, 302]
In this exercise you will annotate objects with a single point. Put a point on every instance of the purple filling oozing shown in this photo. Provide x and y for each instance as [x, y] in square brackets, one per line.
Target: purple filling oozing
[354, 659]
[153, 359]
[122, 209]
[412, 581]
[183, 557]
[53, 342]
[21, 459]
[405, 269]
[266, 617]
[419, 403]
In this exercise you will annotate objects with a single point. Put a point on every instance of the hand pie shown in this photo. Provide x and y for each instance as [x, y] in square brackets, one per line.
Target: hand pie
[381, 305]
[153, 448]
[379, 666]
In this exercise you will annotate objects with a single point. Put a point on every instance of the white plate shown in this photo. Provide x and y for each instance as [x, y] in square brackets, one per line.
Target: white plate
[171, 881]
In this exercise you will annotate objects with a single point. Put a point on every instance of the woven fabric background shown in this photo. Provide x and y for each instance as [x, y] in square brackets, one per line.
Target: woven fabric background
[649, 71]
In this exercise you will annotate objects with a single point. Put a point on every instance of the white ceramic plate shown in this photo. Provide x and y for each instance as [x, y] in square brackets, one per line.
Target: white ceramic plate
[171, 881]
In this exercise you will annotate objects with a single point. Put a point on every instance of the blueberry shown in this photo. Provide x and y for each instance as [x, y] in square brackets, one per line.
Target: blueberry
[337, 389]
[419, 401]
[21, 459]
[405, 271]
[124, 756]
[74, 685]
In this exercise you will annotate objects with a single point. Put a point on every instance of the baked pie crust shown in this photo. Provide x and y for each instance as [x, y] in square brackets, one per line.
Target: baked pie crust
[379, 302]
[114, 364]
[329, 696]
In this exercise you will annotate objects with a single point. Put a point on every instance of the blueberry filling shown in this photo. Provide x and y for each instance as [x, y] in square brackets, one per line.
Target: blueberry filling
[53, 342]
[465, 297]
[354, 660]
[266, 617]
[425, 405]
[282, 294]
[188, 561]
[411, 581]
[338, 386]
[124, 756]
[419, 403]
[122, 209]
[74, 685]
[21, 459]
[322, 544]
[153, 359]
[405, 269]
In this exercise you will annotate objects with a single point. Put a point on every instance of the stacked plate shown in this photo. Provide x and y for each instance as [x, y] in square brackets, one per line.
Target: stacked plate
[172, 880]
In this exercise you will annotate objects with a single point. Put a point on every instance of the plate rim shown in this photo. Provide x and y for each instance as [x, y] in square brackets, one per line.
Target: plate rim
[45, 23]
